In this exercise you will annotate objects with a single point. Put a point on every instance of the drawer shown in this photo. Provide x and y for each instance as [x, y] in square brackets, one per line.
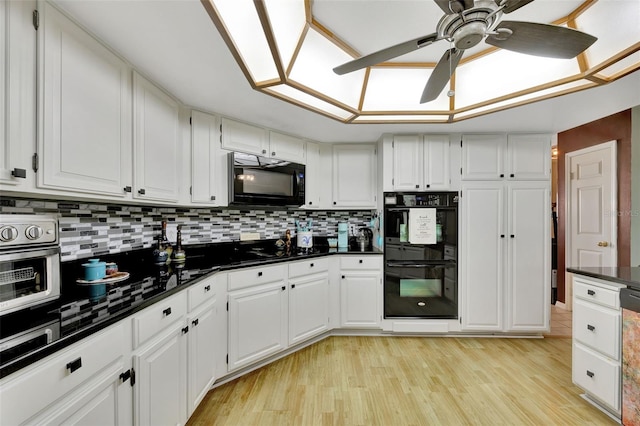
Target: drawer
[256, 276]
[156, 318]
[585, 290]
[201, 292]
[307, 267]
[361, 262]
[597, 375]
[25, 394]
[597, 327]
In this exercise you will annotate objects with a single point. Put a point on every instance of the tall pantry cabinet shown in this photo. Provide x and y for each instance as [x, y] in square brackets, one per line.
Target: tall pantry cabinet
[505, 234]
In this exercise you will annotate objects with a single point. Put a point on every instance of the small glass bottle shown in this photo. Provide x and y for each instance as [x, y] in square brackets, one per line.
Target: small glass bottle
[162, 253]
[179, 256]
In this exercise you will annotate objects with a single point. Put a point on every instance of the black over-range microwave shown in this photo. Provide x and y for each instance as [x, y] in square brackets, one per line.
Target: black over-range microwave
[262, 181]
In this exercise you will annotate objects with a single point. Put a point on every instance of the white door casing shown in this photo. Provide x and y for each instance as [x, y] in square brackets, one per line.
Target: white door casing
[591, 223]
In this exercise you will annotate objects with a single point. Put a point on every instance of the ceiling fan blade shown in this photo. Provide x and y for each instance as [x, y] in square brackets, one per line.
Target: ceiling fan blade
[454, 6]
[536, 39]
[511, 5]
[384, 54]
[441, 74]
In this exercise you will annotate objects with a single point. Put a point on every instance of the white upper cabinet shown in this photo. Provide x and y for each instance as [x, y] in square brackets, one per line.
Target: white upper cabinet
[17, 94]
[483, 157]
[312, 177]
[354, 175]
[420, 163]
[237, 136]
[497, 157]
[157, 147]
[85, 108]
[285, 147]
[529, 156]
[208, 162]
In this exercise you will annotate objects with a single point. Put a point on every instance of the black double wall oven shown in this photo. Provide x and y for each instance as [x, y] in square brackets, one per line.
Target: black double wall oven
[421, 255]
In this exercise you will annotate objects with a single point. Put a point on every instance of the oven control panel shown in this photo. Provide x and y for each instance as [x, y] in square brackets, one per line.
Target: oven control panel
[25, 230]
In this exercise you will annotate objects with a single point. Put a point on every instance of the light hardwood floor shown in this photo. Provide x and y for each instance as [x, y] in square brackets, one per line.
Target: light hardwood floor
[408, 381]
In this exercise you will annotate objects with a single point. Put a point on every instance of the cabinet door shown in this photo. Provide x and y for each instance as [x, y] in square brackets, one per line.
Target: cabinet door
[201, 354]
[257, 323]
[208, 162]
[17, 93]
[483, 157]
[407, 162]
[360, 299]
[157, 142]
[436, 162]
[85, 102]
[354, 175]
[102, 401]
[482, 237]
[285, 147]
[529, 157]
[243, 137]
[313, 176]
[308, 307]
[160, 393]
[528, 268]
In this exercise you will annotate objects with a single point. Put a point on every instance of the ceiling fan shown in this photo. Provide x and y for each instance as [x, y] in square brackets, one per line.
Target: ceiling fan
[465, 24]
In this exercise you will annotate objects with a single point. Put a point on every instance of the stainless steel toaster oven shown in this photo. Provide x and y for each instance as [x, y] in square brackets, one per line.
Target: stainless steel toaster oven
[29, 261]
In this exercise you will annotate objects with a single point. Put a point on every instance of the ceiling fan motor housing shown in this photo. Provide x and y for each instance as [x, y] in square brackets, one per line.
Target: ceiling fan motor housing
[468, 28]
[469, 35]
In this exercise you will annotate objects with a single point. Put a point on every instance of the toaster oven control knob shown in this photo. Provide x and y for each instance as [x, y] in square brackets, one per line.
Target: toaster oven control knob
[33, 232]
[8, 233]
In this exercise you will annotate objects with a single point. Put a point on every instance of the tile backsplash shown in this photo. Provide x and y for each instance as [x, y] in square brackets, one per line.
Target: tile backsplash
[93, 229]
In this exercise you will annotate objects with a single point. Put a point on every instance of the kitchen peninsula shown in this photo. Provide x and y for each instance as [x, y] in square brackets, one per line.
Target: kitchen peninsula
[605, 320]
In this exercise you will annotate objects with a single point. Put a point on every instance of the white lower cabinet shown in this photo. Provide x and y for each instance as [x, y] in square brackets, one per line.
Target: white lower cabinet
[596, 364]
[161, 379]
[308, 299]
[257, 314]
[361, 291]
[79, 384]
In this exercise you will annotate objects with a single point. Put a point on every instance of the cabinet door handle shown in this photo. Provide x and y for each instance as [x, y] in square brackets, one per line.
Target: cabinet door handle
[590, 373]
[185, 330]
[195, 322]
[273, 153]
[284, 288]
[417, 186]
[207, 288]
[512, 175]
[311, 266]
[513, 236]
[502, 175]
[141, 191]
[264, 151]
[360, 261]
[127, 189]
[260, 273]
[310, 203]
[591, 292]
[213, 198]
[74, 365]
[428, 186]
[343, 277]
[334, 203]
[166, 312]
[293, 286]
[501, 235]
[590, 327]
[19, 173]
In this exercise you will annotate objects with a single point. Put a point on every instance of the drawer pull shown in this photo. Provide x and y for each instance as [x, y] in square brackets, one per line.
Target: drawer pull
[590, 373]
[195, 322]
[259, 274]
[311, 266]
[360, 261]
[74, 365]
[166, 312]
[590, 327]
[591, 292]
[207, 288]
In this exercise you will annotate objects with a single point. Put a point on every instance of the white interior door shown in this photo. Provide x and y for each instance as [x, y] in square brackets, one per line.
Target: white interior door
[593, 203]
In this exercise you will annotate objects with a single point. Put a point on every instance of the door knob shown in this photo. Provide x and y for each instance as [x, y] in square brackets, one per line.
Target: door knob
[603, 244]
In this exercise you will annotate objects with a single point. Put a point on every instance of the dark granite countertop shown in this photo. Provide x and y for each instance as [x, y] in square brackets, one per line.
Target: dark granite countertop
[626, 275]
[32, 334]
